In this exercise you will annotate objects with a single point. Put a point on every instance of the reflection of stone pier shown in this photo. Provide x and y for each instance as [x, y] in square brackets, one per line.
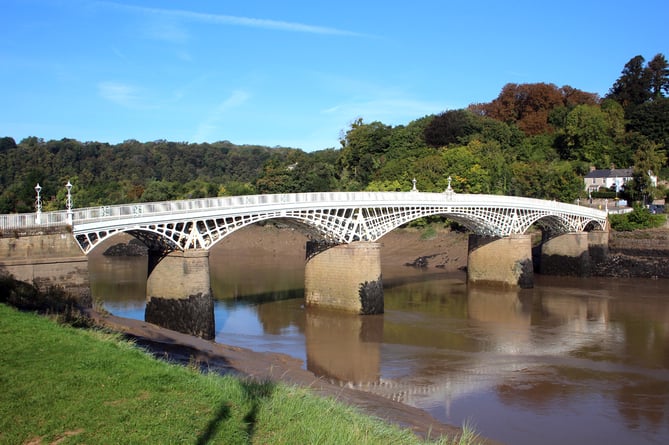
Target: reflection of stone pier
[342, 346]
[179, 293]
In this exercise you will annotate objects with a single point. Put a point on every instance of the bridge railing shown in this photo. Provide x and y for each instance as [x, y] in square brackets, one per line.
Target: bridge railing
[18, 221]
[129, 211]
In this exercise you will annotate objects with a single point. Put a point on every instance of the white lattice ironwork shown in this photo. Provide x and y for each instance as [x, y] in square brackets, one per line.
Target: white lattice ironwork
[339, 217]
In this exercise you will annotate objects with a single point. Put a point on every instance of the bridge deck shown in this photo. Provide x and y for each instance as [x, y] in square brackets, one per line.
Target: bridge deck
[339, 216]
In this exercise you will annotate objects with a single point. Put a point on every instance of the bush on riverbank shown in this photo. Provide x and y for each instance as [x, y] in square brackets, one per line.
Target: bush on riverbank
[89, 386]
[639, 218]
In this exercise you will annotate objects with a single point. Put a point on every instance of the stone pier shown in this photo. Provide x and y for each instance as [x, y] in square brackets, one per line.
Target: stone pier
[345, 277]
[47, 260]
[179, 293]
[505, 262]
[566, 254]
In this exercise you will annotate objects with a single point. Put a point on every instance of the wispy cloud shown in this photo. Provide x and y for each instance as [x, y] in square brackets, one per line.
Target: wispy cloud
[119, 93]
[221, 19]
[213, 122]
[393, 110]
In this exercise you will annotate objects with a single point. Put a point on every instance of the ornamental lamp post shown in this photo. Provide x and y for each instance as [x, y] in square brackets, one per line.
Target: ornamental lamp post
[38, 205]
[68, 202]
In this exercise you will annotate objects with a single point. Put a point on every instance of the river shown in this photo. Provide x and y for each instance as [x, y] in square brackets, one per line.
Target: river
[573, 360]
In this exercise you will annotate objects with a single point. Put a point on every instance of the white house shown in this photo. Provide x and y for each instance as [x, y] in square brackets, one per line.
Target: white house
[613, 179]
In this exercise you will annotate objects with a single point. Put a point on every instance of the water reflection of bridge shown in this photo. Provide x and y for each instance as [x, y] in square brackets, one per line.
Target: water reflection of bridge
[347, 350]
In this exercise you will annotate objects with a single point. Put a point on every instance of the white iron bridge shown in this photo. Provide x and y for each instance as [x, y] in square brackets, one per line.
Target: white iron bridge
[336, 217]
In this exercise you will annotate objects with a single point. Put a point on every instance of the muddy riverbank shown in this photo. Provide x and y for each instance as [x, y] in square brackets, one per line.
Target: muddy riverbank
[215, 357]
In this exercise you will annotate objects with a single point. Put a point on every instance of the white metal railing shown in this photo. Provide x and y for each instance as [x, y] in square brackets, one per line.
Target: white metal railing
[282, 201]
[20, 221]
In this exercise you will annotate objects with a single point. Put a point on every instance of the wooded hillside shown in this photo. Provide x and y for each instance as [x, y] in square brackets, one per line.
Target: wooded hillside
[535, 140]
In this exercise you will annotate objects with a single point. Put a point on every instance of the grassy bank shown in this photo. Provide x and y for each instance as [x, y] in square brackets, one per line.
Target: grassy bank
[66, 385]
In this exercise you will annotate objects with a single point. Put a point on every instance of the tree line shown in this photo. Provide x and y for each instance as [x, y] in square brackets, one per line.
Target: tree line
[536, 140]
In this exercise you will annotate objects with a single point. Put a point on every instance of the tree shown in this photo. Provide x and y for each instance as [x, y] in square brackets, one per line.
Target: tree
[450, 127]
[529, 106]
[363, 150]
[633, 86]
[652, 120]
[647, 159]
[7, 143]
[658, 69]
[588, 135]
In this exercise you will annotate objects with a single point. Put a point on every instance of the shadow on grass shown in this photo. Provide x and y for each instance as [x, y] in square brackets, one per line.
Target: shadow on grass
[256, 394]
[222, 414]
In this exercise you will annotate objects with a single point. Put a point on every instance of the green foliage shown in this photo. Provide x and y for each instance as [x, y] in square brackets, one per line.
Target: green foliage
[451, 127]
[589, 135]
[639, 218]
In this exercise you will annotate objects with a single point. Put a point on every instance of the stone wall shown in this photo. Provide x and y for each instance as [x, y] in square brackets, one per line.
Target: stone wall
[46, 260]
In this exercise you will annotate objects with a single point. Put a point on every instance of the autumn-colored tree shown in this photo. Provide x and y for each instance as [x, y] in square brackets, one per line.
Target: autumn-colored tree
[529, 105]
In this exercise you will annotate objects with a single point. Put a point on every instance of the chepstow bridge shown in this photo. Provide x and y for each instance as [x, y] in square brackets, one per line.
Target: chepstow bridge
[343, 267]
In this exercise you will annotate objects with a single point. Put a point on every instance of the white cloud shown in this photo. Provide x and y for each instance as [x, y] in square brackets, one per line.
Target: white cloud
[221, 19]
[119, 93]
[213, 122]
[395, 111]
[167, 31]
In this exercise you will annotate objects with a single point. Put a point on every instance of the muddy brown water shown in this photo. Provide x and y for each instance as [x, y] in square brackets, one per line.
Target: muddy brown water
[573, 360]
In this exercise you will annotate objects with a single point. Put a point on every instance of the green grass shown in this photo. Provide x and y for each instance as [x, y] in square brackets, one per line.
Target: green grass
[67, 385]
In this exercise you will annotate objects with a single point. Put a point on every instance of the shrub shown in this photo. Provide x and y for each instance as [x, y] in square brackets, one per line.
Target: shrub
[639, 218]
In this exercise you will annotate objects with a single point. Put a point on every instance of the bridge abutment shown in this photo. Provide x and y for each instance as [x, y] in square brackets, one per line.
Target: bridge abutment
[47, 260]
[345, 277]
[500, 261]
[179, 294]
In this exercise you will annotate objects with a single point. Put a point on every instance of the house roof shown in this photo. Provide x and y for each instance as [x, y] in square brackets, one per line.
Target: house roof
[610, 173]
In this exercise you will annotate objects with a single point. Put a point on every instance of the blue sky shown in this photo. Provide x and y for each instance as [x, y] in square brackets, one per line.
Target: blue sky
[295, 73]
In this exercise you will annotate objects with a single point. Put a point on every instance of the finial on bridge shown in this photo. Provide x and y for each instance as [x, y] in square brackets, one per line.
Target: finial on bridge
[449, 191]
[68, 202]
[38, 205]
[414, 189]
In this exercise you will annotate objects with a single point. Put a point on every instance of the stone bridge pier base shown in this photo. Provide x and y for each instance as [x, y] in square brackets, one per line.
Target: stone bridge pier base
[345, 277]
[179, 294]
[566, 254]
[500, 261]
